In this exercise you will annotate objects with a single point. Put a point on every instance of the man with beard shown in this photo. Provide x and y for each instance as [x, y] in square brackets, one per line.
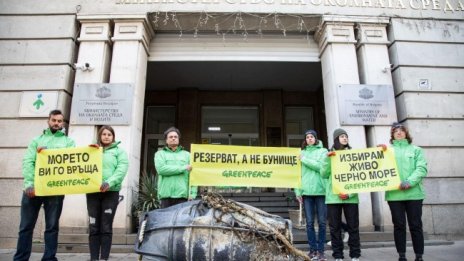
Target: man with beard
[52, 138]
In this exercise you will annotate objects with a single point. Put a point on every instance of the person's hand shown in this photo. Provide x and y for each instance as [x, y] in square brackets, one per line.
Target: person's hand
[30, 192]
[330, 153]
[39, 149]
[300, 199]
[104, 187]
[405, 185]
[94, 145]
[343, 196]
[189, 167]
[382, 146]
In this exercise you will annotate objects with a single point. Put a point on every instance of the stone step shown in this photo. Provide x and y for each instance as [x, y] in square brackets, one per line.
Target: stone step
[378, 244]
[299, 236]
[129, 248]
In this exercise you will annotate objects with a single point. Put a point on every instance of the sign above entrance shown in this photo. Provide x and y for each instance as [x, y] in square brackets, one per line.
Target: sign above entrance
[366, 104]
[397, 8]
[102, 104]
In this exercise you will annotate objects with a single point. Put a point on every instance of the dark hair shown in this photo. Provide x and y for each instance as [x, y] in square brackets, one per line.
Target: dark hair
[171, 129]
[54, 112]
[396, 126]
[304, 143]
[100, 131]
[338, 146]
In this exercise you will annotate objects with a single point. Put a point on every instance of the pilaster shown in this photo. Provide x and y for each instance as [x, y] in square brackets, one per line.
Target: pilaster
[375, 68]
[129, 65]
[95, 50]
[337, 47]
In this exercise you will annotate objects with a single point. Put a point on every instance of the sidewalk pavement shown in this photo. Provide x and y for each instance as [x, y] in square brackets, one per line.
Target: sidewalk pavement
[453, 252]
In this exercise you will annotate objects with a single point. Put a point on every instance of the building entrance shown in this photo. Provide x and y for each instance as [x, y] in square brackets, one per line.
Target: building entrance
[227, 125]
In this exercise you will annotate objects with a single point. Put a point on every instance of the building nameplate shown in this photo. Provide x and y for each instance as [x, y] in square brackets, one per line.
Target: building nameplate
[397, 8]
[366, 104]
[102, 104]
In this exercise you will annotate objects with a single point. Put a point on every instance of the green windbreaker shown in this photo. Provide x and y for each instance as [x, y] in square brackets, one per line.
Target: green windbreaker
[412, 167]
[173, 177]
[311, 164]
[115, 166]
[57, 140]
[330, 197]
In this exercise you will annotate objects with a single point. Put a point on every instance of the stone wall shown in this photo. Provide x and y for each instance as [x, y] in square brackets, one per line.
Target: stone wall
[36, 54]
[433, 51]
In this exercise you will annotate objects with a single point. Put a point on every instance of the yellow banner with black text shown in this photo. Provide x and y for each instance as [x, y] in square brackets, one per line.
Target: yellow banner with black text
[245, 166]
[364, 170]
[68, 171]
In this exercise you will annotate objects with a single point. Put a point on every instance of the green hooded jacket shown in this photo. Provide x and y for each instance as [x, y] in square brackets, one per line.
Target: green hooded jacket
[311, 164]
[115, 165]
[173, 177]
[412, 167]
[330, 197]
[57, 140]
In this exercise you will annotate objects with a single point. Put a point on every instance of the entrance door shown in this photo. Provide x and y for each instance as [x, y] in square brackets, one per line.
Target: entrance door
[230, 125]
[157, 120]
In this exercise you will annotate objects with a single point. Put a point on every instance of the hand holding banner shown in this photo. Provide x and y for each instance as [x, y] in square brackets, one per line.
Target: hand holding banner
[68, 171]
[364, 170]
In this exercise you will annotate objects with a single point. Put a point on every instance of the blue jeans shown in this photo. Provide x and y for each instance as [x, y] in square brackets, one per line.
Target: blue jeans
[315, 205]
[30, 208]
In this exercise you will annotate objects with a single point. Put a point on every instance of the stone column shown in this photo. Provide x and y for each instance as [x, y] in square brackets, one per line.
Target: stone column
[129, 65]
[95, 49]
[339, 66]
[375, 68]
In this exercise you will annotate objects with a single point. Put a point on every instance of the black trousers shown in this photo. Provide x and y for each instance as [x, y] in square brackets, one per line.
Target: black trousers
[168, 202]
[101, 208]
[412, 210]
[334, 215]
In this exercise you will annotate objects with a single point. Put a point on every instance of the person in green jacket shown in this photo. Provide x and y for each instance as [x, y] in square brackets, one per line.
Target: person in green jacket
[341, 203]
[101, 206]
[172, 164]
[407, 200]
[312, 193]
[52, 138]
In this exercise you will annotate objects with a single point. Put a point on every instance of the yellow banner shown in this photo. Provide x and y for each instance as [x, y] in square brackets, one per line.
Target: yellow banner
[245, 166]
[364, 170]
[68, 171]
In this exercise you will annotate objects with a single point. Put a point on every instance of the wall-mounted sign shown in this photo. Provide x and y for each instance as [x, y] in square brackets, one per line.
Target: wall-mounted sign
[366, 104]
[38, 103]
[102, 104]
[425, 84]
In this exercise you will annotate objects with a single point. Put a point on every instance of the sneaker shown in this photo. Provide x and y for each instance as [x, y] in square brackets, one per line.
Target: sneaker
[321, 256]
[402, 259]
[329, 243]
[419, 259]
[355, 259]
[346, 236]
[338, 259]
[312, 254]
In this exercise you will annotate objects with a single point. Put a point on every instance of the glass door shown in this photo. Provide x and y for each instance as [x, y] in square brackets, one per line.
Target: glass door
[230, 125]
[157, 120]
